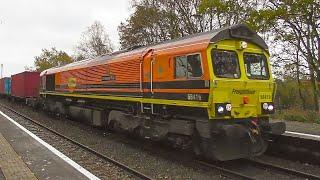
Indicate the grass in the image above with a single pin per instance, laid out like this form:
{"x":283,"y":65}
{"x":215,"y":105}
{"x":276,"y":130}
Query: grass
{"x":298,"y":115}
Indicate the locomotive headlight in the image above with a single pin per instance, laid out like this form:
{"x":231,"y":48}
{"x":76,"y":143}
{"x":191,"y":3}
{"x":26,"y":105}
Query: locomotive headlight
{"x":220,"y":109}
{"x":223,"y":109}
{"x":243,"y":45}
{"x":265,"y":106}
{"x":270,"y":107}
{"x":228,"y":107}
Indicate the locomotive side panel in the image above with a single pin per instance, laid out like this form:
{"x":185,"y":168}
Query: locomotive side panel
{"x":112,"y":78}
{"x":122,"y":77}
{"x":159,"y":74}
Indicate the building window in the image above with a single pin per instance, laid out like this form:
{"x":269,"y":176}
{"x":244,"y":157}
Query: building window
{"x":188,"y":66}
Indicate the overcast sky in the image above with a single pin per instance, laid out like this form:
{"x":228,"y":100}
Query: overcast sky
{"x":27,"y":26}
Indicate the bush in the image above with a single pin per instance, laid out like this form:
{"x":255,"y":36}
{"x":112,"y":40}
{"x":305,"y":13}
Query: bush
{"x":317,"y":120}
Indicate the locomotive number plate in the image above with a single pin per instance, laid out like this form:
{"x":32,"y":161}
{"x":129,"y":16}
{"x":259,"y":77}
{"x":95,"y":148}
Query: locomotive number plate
{"x":265,"y":97}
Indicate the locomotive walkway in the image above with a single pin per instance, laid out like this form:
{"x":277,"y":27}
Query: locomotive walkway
{"x":24,"y":156}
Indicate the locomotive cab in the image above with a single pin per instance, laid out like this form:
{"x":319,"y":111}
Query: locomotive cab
{"x":242,"y":84}
{"x":241,"y":98}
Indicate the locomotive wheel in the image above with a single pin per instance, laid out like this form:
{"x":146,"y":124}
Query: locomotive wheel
{"x":259,"y":147}
{"x":138,"y":132}
{"x":113,"y":125}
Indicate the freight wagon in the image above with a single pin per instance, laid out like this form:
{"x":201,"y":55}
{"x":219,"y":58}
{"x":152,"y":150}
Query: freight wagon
{"x":25,"y":85}
{"x":5,"y":86}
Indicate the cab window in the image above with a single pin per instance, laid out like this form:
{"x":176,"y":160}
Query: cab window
{"x":256,"y":66}
{"x":188,"y":66}
{"x":225,"y":64}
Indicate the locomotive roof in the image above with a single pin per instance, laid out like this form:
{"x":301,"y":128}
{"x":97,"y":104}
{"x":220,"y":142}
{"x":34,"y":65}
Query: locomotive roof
{"x":239,"y":31}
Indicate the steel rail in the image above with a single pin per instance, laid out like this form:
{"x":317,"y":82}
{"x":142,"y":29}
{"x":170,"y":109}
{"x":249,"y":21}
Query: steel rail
{"x":109,"y":159}
{"x":227,"y":171}
{"x":283,"y":169}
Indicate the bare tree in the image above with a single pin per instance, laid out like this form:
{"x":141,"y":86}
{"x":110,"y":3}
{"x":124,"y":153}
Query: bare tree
{"x":94,"y":42}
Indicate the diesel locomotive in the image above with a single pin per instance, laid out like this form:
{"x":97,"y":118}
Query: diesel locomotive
{"x":212,"y":92}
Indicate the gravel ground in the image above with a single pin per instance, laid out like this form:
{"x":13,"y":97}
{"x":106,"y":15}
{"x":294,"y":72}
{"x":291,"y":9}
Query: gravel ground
{"x":159,"y":163}
{"x":258,"y":172}
{"x":295,"y":165}
{"x":149,"y":158}
{"x":308,"y":128}
{"x":101,"y":168}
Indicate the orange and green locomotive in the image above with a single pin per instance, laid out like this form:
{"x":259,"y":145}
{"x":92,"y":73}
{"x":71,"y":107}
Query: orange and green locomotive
{"x":212,"y":92}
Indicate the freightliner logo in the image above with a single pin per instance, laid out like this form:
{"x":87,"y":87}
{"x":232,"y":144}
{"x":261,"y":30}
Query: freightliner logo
{"x":243,"y":91}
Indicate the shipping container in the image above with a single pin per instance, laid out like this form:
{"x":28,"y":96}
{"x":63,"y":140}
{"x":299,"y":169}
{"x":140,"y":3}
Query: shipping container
{"x":25,"y":84}
{"x":2,"y":91}
{"x":5,"y":86}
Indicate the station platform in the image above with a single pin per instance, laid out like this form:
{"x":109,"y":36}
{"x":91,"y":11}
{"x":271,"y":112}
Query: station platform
{"x":302,"y":129}
{"x":25,"y":156}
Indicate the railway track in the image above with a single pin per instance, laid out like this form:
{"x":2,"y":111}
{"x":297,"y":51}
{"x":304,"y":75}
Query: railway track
{"x":132,"y":171}
{"x":282,"y":169}
{"x":225,"y":170}
{"x":246,"y":163}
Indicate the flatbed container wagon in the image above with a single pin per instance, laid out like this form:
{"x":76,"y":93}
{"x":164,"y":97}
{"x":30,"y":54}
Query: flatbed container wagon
{"x":25,"y":85}
{"x":5,"y":86}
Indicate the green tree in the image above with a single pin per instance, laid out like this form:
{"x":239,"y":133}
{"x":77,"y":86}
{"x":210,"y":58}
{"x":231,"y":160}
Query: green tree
{"x":155,"y":21}
{"x":150,"y":23}
{"x":295,"y":24}
{"x":227,"y":12}
{"x":51,"y":58}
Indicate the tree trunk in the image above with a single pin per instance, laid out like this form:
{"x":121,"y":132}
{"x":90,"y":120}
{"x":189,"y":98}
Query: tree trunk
{"x":315,"y":89}
{"x":299,"y":86}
